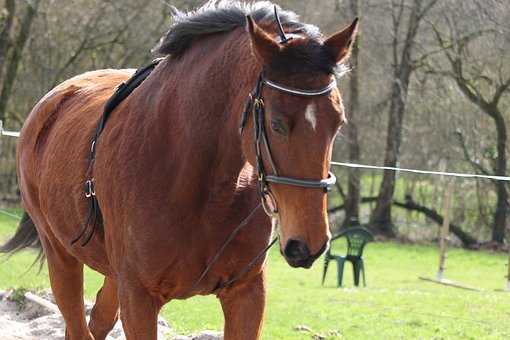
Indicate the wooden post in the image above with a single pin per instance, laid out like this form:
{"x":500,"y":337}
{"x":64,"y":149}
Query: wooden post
{"x":445,"y":229}
{"x":443,"y":241}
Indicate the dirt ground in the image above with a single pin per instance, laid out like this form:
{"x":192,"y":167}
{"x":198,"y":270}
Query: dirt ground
{"x":29,"y":317}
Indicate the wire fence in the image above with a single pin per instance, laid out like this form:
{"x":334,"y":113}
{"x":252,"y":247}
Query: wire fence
{"x":425,"y":172}
{"x":361,"y":166}
{"x":338,"y":164}
{"x":16,"y":134}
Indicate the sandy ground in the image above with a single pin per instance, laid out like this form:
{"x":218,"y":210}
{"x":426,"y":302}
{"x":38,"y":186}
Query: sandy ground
{"x":31,"y":317}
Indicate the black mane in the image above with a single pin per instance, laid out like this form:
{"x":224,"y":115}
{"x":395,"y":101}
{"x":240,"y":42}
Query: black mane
{"x":218,"y":16}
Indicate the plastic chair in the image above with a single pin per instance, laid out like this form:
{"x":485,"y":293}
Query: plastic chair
{"x":357,"y":238}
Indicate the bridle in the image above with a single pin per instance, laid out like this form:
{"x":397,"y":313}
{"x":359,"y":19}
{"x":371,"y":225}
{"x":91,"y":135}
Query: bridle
{"x":255,"y":106}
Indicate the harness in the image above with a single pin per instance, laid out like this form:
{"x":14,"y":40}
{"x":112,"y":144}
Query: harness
{"x":122,"y":92}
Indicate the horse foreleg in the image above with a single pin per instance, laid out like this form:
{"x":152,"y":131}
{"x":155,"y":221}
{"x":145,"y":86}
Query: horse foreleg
{"x":139,"y":311}
{"x":106,"y":310}
{"x":243,"y":306}
{"x":66,"y":278}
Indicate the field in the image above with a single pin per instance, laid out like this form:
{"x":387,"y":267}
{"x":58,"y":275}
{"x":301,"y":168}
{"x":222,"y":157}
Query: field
{"x":395,"y":305}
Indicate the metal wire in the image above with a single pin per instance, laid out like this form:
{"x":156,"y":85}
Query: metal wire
{"x":361,"y":166}
{"x":14,"y":216}
{"x":437,"y":173}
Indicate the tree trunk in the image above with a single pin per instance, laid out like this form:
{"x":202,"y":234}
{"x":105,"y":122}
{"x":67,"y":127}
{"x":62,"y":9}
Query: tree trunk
{"x":16,"y":55}
{"x":499,"y":223}
{"x":491,"y":109}
{"x":352,"y":202}
{"x":381,"y":216}
{"x":5,"y":33}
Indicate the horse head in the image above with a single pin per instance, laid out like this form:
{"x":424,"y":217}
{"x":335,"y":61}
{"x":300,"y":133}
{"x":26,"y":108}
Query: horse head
{"x":297,"y":113}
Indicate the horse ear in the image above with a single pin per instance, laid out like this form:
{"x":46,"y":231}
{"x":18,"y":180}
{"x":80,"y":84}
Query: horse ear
{"x":263,"y":46}
{"x":340,"y":43}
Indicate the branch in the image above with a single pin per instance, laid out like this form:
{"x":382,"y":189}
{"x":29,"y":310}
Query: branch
{"x":340,"y":190}
{"x":397,"y":19}
{"x":5,"y":33}
{"x":467,"y":156}
{"x":16,"y":56}
{"x":465,"y":86}
{"x":499,"y":92}
{"x":467,"y":240}
{"x":92,"y":22}
{"x":425,"y":9}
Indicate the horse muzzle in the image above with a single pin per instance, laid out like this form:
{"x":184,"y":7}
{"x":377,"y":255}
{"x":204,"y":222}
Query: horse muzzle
{"x":298,"y":255}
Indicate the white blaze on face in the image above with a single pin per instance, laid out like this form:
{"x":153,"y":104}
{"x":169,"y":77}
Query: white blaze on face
{"x":311,"y":115}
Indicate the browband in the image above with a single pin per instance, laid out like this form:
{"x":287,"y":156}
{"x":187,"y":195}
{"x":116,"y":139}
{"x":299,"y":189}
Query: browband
{"x":299,"y":92}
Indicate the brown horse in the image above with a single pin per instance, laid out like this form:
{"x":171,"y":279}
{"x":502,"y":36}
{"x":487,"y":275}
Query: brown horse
{"x":174,"y":177}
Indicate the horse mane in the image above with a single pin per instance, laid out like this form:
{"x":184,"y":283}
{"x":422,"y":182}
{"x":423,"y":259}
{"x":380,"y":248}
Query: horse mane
{"x":221,"y":16}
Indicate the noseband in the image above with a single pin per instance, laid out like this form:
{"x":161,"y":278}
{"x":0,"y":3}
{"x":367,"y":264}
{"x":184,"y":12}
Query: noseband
{"x":255,"y":105}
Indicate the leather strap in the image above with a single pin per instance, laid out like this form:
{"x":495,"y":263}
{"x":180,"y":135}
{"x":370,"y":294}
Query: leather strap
{"x":324,"y":183}
{"x":93,"y":218}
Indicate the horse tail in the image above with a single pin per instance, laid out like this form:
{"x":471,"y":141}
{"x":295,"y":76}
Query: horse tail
{"x":26,"y":236}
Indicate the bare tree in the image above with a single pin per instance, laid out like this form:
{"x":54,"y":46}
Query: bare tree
{"x":16,"y":55}
{"x":6,"y":22}
{"x":485,"y":89}
{"x":403,"y":67}
{"x":352,"y":202}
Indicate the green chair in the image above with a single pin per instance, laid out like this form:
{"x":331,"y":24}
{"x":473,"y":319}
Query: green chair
{"x":357,"y":238}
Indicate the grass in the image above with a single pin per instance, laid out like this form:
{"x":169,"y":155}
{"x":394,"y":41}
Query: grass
{"x":395,"y":305}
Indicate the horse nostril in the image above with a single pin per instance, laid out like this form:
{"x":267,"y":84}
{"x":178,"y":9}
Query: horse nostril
{"x":296,"y":250}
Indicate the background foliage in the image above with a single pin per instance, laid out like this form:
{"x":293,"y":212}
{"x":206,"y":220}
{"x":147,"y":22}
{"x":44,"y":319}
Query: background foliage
{"x":424,"y":72}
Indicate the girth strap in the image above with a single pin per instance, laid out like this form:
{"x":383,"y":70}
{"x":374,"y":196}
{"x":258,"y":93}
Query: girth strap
{"x":93,"y":218}
{"x":121,"y":93}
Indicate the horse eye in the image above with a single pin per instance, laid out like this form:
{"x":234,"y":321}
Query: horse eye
{"x":278,"y":127}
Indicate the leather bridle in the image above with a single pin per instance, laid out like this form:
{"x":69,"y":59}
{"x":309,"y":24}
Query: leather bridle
{"x":255,"y":106}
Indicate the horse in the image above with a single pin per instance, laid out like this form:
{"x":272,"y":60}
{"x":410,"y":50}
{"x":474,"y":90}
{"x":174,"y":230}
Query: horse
{"x":179,"y":169}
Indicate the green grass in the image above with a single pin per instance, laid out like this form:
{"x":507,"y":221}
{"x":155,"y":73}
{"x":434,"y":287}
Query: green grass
{"x":395,"y":305}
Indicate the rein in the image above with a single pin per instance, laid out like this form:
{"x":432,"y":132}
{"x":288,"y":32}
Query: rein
{"x":229,"y":239}
{"x":255,"y":105}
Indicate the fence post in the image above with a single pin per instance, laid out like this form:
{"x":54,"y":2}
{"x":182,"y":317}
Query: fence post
{"x":445,"y":229}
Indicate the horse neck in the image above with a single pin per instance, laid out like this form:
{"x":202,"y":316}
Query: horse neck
{"x":215,"y":76}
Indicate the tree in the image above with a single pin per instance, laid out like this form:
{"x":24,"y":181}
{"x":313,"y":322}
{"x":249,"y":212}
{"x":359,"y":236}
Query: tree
{"x":485,"y":89}
{"x":6,"y":22}
{"x":403,"y":67}
{"x":352,"y":201}
{"x":14,"y":50}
